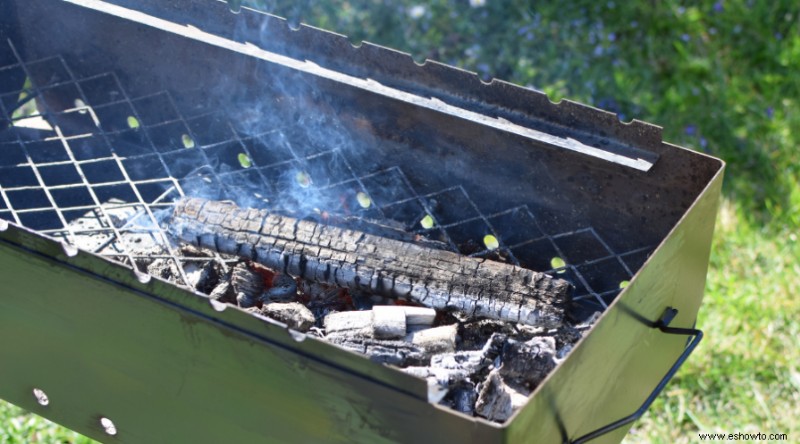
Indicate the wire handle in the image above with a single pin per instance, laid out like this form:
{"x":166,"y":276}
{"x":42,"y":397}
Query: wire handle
{"x":663,"y":325}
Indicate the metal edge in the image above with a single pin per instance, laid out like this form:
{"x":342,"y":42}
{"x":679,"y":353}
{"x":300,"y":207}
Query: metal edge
{"x":396,"y":69}
{"x":686,"y":316}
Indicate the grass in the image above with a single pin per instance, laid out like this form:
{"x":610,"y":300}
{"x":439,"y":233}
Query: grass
{"x":20,"y":427}
{"x":745,"y":376}
{"x":723,"y":77}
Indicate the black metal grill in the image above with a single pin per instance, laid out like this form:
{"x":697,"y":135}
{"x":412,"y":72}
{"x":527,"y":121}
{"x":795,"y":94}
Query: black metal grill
{"x":112,"y":110}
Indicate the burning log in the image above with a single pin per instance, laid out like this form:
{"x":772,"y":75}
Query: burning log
{"x":393,"y":352}
{"x":435,"y":278}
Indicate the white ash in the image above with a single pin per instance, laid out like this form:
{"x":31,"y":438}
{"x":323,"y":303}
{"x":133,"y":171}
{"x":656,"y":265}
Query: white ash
{"x":399,"y":353}
{"x":418,"y":316}
{"x":476,"y":366}
{"x":245,"y":301}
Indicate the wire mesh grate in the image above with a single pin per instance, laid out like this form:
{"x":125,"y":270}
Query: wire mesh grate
{"x":85,"y":163}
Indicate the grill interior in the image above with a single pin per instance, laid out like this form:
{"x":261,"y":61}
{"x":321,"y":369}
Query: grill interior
{"x":87,"y":163}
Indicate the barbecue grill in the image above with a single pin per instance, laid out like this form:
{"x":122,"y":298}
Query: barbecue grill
{"x":112,"y":110}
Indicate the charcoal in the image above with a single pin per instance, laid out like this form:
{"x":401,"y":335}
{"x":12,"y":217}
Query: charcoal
{"x":349,"y":323}
{"x":284,"y":289}
{"x":474,"y":334}
{"x":498,"y":400}
{"x":472,"y":360}
{"x":246,"y":281}
{"x":354,"y":330}
{"x":244,"y":300}
{"x":562,"y":352}
{"x":388,"y":322}
{"x":435,"y":340}
{"x":192,"y":251}
{"x":529,"y":362}
{"x":361,"y":300}
{"x":324,"y":298}
{"x":222,"y":291}
{"x":202,"y":276}
{"x":464,"y":398}
{"x":567,"y":335}
{"x":445,"y":378}
{"x":496,"y":340}
{"x":295,"y":315}
{"x":449,"y":370}
{"x":525,"y":332}
{"x":327,"y":254}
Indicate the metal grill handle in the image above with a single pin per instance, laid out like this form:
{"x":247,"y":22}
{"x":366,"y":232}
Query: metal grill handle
{"x":663,"y":325}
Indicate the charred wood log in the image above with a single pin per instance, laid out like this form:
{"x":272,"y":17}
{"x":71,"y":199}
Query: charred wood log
{"x":394,"y":352}
{"x":435,"y":278}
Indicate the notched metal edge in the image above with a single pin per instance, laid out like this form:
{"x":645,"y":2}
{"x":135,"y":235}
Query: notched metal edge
{"x":435,"y":77}
{"x":634,"y":158}
{"x":396,"y":69}
{"x":373,"y":61}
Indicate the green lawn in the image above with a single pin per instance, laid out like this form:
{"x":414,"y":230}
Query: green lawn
{"x":722,"y":77}
{"x":20,"y":427}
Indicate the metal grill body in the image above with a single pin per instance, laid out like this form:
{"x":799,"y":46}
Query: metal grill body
{"x":136,"y":109}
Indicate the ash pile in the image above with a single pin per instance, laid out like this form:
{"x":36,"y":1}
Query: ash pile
{"x":483,"y":334}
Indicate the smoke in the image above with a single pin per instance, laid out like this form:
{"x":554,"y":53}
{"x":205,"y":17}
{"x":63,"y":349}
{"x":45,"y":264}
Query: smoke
{"x":292,"y":148}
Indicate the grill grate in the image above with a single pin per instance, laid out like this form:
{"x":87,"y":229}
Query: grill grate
{"x":104,"y":165}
